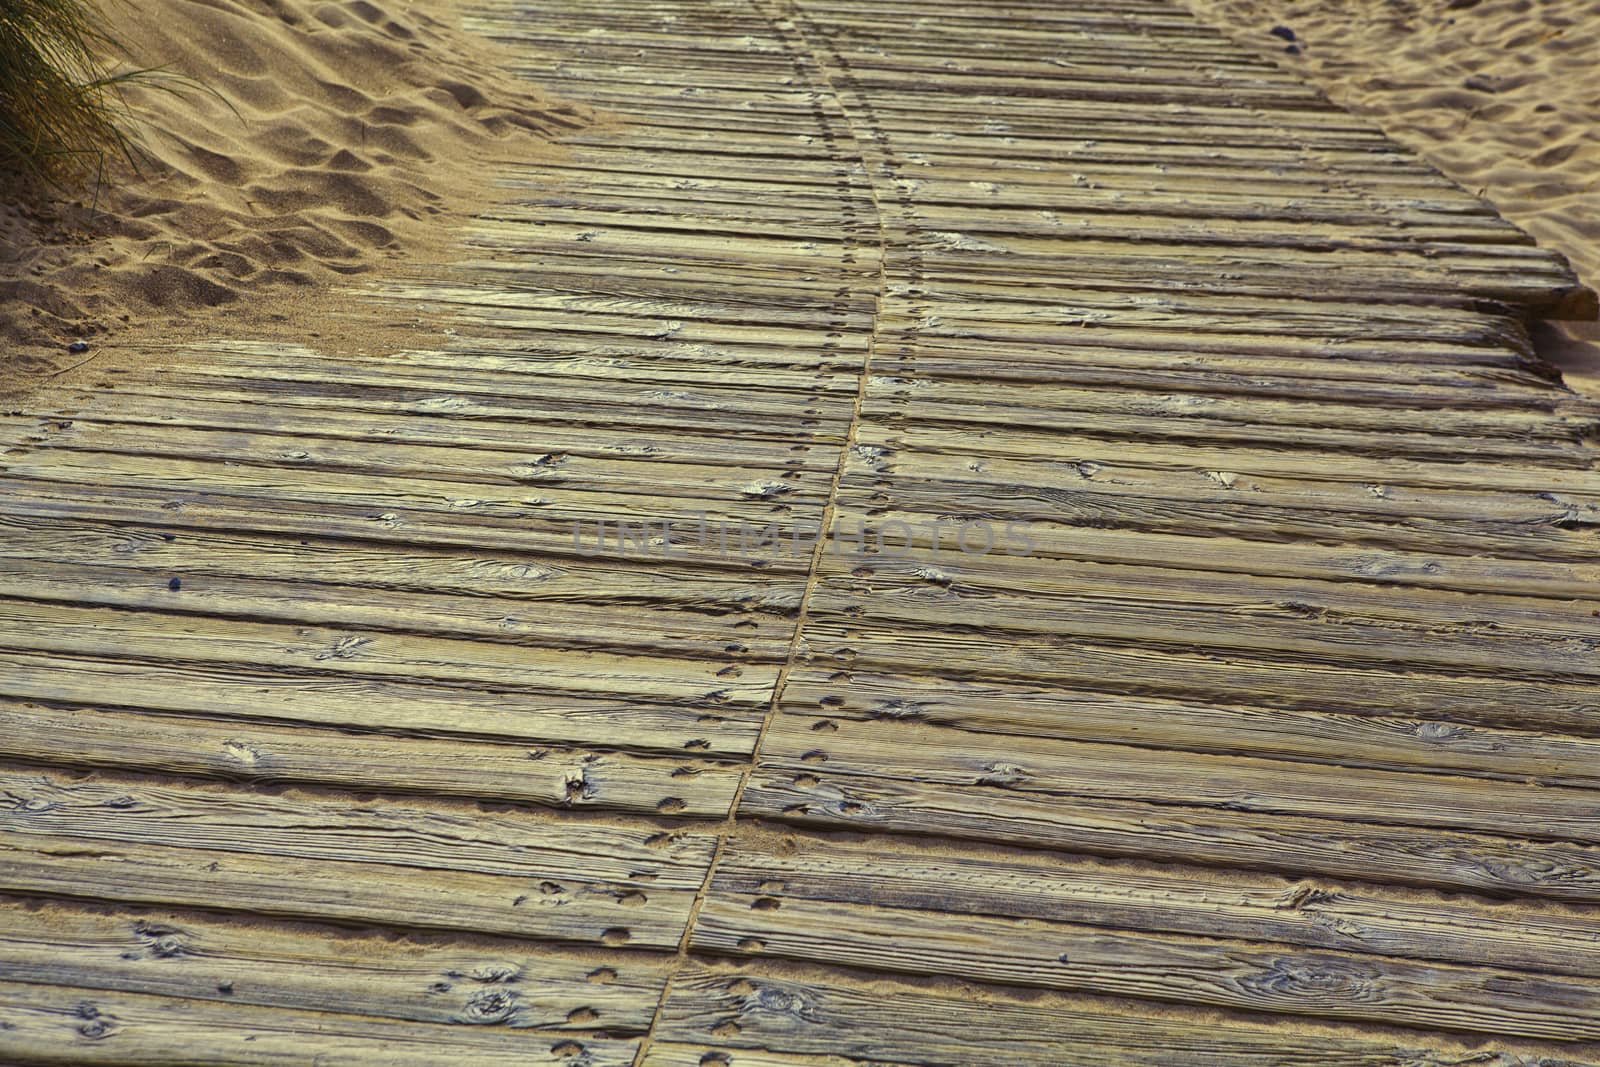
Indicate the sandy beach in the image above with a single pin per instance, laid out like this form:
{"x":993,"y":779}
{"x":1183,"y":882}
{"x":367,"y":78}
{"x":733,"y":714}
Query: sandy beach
{"x":306,"y":145}
{"x":1500,"y":95}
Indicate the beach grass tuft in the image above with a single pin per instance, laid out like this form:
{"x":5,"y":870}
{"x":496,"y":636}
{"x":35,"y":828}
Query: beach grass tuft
{"x":62,"y":113}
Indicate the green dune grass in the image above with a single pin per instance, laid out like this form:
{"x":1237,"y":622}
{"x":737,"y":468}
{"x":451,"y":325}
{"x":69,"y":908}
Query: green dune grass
{"x":61,"y":110}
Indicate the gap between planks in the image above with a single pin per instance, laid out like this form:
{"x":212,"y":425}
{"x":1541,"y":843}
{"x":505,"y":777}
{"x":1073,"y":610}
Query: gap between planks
{"x":820,"y":85}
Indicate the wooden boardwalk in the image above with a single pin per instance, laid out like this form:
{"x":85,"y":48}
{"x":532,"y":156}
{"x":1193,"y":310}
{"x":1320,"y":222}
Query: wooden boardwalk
{"x":1246,"y":710}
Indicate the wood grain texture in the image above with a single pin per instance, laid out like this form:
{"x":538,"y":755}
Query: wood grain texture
{"x":1260,"y":728}
{"x":1019,"y":920}
{"x":544,"y":776}
{"x":55,"y":1024}
{"x":470,"y":982}
{"x":877,"y":1020}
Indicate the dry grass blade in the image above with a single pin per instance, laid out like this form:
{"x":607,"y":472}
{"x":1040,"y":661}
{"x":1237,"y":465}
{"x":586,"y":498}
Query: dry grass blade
{"x":61,"y":109}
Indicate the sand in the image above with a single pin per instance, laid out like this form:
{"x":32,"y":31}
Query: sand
{"x":1501,"y":95}
{"x":332,"y":140}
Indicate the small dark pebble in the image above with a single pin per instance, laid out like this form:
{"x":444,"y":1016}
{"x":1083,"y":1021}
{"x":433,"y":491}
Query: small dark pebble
{"x":225,"y":988}
{"x":1292,"y":49}
{"x":175,"y":585}
{"x":1282,"y":31}
{"x":78,"y":347}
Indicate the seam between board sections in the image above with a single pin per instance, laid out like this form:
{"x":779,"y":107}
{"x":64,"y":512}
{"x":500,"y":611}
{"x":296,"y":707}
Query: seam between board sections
{"x":808,"y":67}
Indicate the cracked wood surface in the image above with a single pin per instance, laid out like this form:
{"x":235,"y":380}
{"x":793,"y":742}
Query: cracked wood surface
{"x":1199,"y":666}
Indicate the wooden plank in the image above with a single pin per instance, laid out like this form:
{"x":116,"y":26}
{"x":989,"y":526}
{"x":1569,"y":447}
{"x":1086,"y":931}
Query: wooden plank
{"x":812,"y":1012}
{"x":991,"y":303}
{"x":812,"y":791}
{"x":751,"y":500}
{"x":558,"y":778}
{"x":1465,"y":387}
{"x":1059,"y":452}
{"x":1562,"y":534}
{"x":933,"y":557}
{"x":55,"y":1025}
{"x":655,"y":358}
{"x":1032,"y":765}
{"x":1184,"y":970}
{"x":1188,"y":670}
{"x":1260,"y":228}
{"x":1368,"y":267}
{"x":928,"y":591}
{"x":960,"y":881}
{"x":333,"y":891}
{"x":1175,"y":427}
{"x":1189,"y":417}
{"x":155,"y":636}
{"x":629,"y":628}
{"x":113,"y":409}
{"x":421,"y":526}
{"x":788,"y":109}
{"x":456,"y":464}
{"x":729,"y":172}
{"x":1403,"y":273}
{"x":1367,"y":737}
{"x":913,"y":477}
{"x":431,"y":834}
{"x":939,"y":398}
{"x":632,"y":35}
{"x":175,"y":549}
{"x":1181,"y":548}
{"x":1114,"y":192}
{"x":292,"y":855}
{"x":375,"y":704}
{"x":1284,"y":95}
{"x":479,"y":372}
{"x":452,"y":981}
{"x":458,"y":403}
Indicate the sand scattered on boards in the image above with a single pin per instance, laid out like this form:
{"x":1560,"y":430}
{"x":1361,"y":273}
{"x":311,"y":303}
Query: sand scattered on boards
{"x":339,"y":136}
{"x":1501,"y":95}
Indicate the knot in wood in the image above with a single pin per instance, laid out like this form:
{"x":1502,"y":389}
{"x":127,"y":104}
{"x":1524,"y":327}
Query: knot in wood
{"x":490,"y":1007}
{"x":96,"y":1025}
{"x":1328,"y":978}
{"x":777,"y":1001}
{"x":1003,"y":775}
